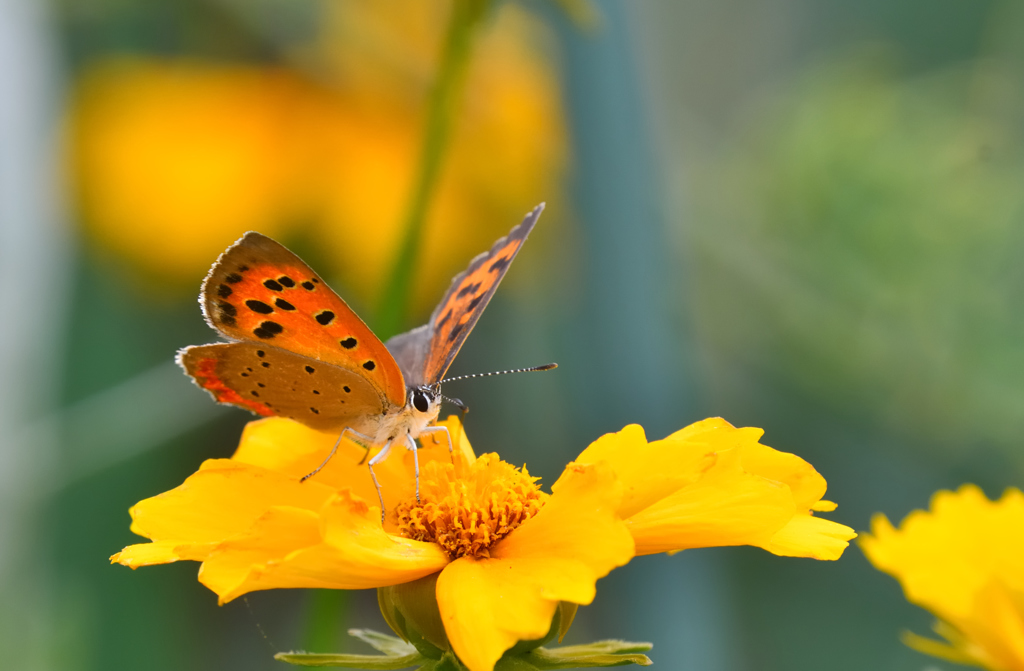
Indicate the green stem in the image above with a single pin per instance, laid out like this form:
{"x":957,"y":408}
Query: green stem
{"x":444,"y":98}
{"x":327,"y":620}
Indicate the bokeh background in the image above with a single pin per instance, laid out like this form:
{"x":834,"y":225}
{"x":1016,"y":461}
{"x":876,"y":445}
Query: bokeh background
{"x":806,"y":216}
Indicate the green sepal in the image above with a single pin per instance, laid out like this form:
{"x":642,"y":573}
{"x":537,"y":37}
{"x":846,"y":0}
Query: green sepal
{"x":411,"y":610}
{"x":607,"y":647}
{"x":600,"y":653}
{"x":397,"y":654}
{"x":515,"y":663}
{"x":566,"y":614}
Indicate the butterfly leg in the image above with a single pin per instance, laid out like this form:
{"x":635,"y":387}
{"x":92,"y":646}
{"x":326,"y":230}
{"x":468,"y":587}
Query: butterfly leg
{"x":376,"y":459}
{"x":411,"y":443}
{"x":335,"y":449}
{"x":447,"y":435}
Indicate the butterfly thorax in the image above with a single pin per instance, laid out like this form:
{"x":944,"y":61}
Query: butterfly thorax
{"x":423,"y":403}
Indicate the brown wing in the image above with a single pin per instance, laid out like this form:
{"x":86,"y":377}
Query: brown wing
{"x":271,"y":381}
{"x":259,"y":291}
{"x":459,"y":310}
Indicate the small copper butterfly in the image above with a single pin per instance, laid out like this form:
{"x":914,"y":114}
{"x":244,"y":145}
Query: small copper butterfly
{"x":298,"y":351}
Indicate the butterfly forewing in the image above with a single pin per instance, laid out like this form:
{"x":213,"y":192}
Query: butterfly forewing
{"x":272,"y":381}
{"x":259,"y":291}
{"x":470,"y":291}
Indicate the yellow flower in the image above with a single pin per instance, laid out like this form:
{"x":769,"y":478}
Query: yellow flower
{"x":174,"y":159}
{"x":506,"y":553}
{"x":964,"y":561}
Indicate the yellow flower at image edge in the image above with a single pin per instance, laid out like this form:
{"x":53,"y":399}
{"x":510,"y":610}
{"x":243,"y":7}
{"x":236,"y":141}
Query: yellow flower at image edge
{"x":504,"y":553}
{"x":964,"y":561}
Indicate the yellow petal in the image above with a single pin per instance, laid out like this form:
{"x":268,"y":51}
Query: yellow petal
{"x":712,"y":484}
{"x":161,"y":552}
{"x":992,"y":639}
{"x":579,"y":521}
{"x":353,"y":552}
{"x":809,"y":536}
{"x":276,"y":534}
{"x":648,"y":472}
{"x":727,"y":506}
{"x":994,"y":632}
{"x":291,"y":448}
{"x":805,"y":484}
{"x":222,"y":499}
{"x":487,"y":605}
{"x":710,"y":429}
{"x":460,"y":441}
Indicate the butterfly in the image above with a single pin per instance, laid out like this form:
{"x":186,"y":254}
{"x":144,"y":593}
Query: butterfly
{"x":297,"y":350}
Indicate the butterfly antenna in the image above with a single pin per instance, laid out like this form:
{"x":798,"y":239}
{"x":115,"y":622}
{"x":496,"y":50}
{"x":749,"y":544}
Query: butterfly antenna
{"x":547,"y":366}
{"x":463,"y":408}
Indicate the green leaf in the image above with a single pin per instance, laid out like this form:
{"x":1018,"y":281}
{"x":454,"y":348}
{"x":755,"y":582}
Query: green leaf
{"x":600,"y":653}
{"x":556,"y":662}
{"x":607,"y":647}
{"x":368,"y":662}
{"x":389,"y":645}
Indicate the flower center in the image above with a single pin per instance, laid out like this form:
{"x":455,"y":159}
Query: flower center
{"x":467,"y":508}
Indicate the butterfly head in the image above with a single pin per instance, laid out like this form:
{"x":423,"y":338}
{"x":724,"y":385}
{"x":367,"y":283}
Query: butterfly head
{"x":425,"y":400}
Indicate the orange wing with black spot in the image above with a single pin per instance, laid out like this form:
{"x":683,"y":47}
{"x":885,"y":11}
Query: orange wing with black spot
{"x":427,"y":352}
{"x":259,"y":291}
{"x":269,"y":380}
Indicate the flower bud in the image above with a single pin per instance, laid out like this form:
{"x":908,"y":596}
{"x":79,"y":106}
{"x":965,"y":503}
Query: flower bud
{"x":411,"y":611}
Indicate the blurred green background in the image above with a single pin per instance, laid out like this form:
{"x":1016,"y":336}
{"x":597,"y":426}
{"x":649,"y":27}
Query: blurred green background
{"x":802,"y":216}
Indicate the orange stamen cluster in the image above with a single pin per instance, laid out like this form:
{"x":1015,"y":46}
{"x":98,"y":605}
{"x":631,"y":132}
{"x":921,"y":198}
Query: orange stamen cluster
{"x":467,"y":508}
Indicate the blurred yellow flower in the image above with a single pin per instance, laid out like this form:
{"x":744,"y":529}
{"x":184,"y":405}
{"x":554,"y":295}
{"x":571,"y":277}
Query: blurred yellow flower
{"x":505,"y":553}
{"x":173,"y":160}
{"x":964,"y":561}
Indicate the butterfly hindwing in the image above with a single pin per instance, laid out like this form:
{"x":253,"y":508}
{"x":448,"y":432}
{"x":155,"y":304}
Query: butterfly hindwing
{"x":271,"y":381}
{"x":259,"y":291}
{"x":459,"y":310}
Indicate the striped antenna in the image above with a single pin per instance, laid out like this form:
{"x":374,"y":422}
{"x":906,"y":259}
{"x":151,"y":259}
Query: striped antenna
{"x":457,"y":402}
{"x":547,"y":366}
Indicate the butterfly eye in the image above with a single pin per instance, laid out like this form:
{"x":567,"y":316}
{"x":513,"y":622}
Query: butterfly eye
{"x":420,"y":401}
